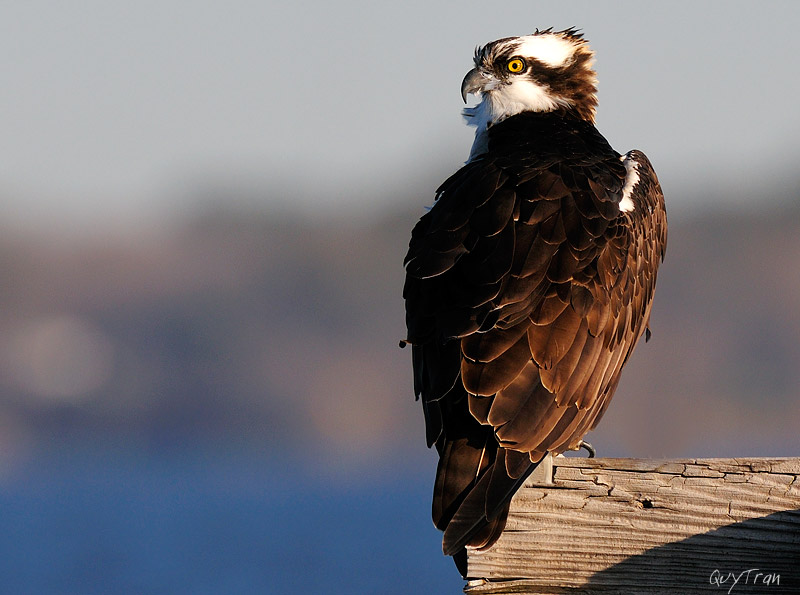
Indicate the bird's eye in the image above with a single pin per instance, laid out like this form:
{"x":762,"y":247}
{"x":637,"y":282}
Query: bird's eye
{"x":515,"y":65}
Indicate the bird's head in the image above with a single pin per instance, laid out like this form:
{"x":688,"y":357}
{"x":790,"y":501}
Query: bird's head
{"x":542,"y":72}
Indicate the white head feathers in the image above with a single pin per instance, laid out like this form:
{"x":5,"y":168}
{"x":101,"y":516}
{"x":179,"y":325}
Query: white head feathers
{"x":545,"y":71}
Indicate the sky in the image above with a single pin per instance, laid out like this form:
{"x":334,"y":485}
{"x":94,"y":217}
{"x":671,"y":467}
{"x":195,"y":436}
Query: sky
{"x":126,"y":112}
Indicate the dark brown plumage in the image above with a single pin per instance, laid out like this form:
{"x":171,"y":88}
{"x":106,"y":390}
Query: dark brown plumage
{"x":527,"y":288}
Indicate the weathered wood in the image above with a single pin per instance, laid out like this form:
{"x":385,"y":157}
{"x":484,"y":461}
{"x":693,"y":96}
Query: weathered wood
{"x":631,"y":526}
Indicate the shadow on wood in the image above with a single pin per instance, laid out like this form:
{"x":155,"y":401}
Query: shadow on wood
{"x":622,"y":526}
{"x":744,"y":557}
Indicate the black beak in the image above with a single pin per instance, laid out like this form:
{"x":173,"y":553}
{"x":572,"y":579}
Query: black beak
{"x":472,"y":83}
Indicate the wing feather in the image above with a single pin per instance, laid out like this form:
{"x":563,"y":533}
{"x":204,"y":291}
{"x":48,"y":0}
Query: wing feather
{"x":527,"y":431}
{"x":487,"y":378}
{"x":548,"y":310}
{"x":525,"y":392}
{"x":555,"y":378}
{"x":535,"y":260}
{"x":494,"y":215}
{"x":549,"y":343}
{"x":485,"y":347}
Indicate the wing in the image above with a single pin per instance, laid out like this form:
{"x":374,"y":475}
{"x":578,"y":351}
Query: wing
{"x":526,"y":291}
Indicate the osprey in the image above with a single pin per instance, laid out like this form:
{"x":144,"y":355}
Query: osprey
{"x":529,"y":281}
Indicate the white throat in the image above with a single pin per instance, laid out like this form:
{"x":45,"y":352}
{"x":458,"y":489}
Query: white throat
{"x":504,"y":100}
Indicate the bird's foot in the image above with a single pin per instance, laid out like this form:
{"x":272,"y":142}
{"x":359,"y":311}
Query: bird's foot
{"x":588,"y":448}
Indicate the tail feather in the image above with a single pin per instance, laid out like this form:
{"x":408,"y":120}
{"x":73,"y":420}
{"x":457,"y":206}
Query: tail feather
{"x":481,"y":514}
{"x":475,"y":479}
{"x":484,"y":537}
{"x":460,"y":464}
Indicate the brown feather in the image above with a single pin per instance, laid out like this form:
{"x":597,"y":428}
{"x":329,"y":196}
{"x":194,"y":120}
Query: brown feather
{"x":536,"y":260}
{"x":516,"y":289}
{"x":486,"y":378}
{"x":517,"y":463}
{"x":581,"y":300}
{"x":527,"y":431}
{"x":479,"y":408}
{"x":562,"y":266}
{"x":533,"y":212}
{"x":597,"y":316}
{"x":485,"y":347}
{"x":562,"y":432}
{"x":549,"y":343}
{"x":548,"y":310}
{"x":552,"y":229}
{"x":459,"y":466}
{"x":491,"y":259}
{"x":486,"y":505}
{"x":593,"y":386}
{"x":524,"y":392}
{"x":555,"y":378}
{"x":492,"y":217}
{"x":575,"y":384}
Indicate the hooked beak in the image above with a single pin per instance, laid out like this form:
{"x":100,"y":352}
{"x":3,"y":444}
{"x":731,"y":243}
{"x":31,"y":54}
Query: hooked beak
{"x":473,"y":83}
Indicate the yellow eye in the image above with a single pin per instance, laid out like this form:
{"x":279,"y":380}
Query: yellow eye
{"x":515,"y":65}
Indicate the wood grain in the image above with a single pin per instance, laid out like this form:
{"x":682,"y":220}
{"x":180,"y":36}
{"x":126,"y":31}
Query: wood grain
{"x":633,"y":526}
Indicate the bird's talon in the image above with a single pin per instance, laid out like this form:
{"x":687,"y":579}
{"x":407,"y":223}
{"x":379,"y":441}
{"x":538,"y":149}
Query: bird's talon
{"x":588,"y":448}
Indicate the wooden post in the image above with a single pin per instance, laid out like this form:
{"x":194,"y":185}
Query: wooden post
{"x":632,"y":526}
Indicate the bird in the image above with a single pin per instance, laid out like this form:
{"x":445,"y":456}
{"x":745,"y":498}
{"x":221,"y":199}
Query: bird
{"x":528,"y":282}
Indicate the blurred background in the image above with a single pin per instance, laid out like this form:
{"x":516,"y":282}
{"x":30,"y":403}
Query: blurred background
{"x":205,"y":207}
